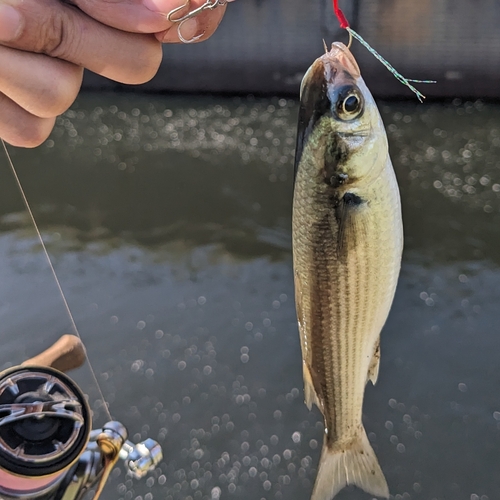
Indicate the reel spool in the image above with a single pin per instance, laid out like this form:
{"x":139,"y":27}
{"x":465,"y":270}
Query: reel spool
{"x":45,"y":424}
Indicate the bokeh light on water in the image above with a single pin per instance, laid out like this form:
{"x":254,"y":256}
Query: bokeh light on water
{"x":168,"y":219}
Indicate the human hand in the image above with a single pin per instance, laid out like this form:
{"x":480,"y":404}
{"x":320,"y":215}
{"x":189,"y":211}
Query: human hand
{"x":45,"y":44}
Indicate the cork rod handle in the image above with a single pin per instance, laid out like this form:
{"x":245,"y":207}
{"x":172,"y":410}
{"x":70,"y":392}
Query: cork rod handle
{"x":66,"y":354}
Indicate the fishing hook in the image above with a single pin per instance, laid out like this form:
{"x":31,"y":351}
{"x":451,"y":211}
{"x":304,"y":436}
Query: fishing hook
{"x":208,"y":5}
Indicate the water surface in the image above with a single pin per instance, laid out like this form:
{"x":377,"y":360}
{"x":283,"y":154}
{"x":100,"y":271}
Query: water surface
{"x":168,"y":221}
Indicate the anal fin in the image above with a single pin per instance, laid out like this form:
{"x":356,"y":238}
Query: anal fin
{"x":310,"y":395}
{"x":374,"y":364}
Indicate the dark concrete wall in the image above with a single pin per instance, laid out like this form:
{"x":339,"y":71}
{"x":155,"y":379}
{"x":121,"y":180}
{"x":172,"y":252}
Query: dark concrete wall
{"x":265,"y":46}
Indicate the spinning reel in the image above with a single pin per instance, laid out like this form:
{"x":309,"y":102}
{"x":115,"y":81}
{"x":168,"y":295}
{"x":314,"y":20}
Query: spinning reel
{"x":48,"y":450}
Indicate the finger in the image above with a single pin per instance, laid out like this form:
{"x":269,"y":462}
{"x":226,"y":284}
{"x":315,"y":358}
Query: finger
{"x":196,"y":29}
{"x":136,"y":16}
{"x":42,"y":85}
{"x":63,"y":31}
{"x":20,"y":128}
{"x":151,"y":16}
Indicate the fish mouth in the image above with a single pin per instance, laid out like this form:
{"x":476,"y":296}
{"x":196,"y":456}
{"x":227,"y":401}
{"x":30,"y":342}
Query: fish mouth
{"x":340,"y":54}
{"x":338,"y":59}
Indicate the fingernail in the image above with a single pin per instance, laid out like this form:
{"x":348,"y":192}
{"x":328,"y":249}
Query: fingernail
{"x":10,"y":23}
{"x":163,"y":6}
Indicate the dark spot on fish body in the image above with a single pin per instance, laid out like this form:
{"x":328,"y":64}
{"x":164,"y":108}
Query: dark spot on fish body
{"x":336,"y":154}
{"x":337,"y":180}
{"x":347,"y":200}
{"x":352,"y":200}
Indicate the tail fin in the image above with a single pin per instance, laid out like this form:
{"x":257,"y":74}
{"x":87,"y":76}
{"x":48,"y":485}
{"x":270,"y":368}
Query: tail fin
{"x":356,"y":465}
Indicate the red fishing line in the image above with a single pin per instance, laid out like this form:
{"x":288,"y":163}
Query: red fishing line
{"x":344,"y":23}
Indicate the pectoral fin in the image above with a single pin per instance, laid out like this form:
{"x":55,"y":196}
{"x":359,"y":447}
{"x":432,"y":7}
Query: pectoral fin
{"x":374,"y":364}
{"x":350,"y":222}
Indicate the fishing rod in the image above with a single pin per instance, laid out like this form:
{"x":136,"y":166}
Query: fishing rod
{"x":48,"y":449}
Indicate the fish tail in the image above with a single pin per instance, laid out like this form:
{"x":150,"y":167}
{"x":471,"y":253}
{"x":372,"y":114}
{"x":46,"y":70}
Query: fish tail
{"x":355,"y":464}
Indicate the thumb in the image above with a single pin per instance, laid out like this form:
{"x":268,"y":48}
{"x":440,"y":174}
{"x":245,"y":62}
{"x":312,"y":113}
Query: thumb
{"x":64,"y":32}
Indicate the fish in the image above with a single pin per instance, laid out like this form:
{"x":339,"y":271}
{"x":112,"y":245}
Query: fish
{"x":347,"y":237}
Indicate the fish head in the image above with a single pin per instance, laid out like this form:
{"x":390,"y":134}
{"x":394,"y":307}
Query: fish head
{"x":339,"y":121}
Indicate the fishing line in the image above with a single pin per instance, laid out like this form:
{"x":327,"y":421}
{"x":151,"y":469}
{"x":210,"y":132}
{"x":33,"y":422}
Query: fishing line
{"x":49,"y":260}
{"x":344,"y":23}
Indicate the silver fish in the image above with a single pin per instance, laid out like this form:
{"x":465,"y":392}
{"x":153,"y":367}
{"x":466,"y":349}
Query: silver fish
{"x":347,"y":245}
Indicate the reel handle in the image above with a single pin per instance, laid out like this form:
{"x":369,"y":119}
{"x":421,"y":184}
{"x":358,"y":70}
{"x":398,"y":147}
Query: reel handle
{"x":65,"y":354}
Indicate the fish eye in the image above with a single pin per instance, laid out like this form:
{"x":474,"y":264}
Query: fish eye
{"x":349,"y":105}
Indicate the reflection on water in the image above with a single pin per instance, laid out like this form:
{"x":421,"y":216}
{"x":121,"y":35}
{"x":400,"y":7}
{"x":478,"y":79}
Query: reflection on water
{"x":168,"y":220}
{"x":205,"y":174}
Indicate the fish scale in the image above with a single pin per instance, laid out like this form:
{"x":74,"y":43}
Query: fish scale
{"x":347,"y":244}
